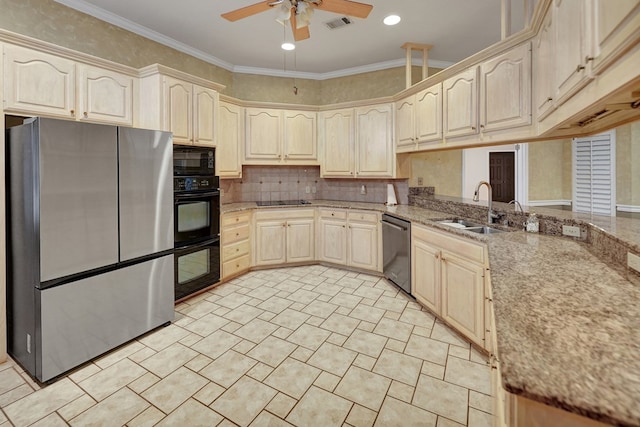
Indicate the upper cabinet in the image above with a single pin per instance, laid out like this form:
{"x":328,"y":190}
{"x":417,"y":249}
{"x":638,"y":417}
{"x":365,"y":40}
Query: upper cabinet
{"x":230,"y":138}
{"x":615,"y":30}
{"x":375,"y":156}
{"x":337,"y":135}
{"x":460,"y":99}
{"x":505,"y":90}
{"x":419,"y":119}
{"x":276,"y":136}
{"x":38,"y":83}
{"x":543,"y":63}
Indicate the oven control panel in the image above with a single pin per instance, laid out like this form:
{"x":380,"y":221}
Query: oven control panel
{"x":195,"y":183}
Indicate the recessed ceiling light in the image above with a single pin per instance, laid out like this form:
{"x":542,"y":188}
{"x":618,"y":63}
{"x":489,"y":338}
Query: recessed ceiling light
{"x":391,"y":20}
{"x":288,"y":46}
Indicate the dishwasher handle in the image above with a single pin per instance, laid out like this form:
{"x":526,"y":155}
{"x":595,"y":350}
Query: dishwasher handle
{"x":397,"y":227}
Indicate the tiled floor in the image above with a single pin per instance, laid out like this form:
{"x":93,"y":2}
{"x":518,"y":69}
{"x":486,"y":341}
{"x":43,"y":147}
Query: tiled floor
{"x":304,"y":346}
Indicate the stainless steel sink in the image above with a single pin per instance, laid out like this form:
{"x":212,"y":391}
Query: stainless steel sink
{"x":474,"y":227}
{"x":483,"y":230}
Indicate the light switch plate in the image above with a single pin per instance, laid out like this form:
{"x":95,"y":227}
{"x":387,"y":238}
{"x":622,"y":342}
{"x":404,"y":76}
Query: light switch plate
{"x":569,"y":230}
{"x":633,"y":261}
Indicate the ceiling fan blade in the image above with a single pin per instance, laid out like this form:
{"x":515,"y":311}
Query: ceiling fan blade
{"x":301,"y":33}
{"x":346,"y":7}
{"x":246,"y":11}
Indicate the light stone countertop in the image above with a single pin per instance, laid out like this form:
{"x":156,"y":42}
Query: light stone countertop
{"x":568,"y":325}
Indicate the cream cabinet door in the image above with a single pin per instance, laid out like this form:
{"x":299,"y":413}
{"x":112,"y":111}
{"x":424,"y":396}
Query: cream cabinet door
{"x":104,"y":96}
{"x":374,"y":142}
{"x":616,"y":30}
{"x":425,"y":274}
{"x":300,"y":135}
{"x":460,"y":104}
{"x":337,"y":144}
{"x":505,"y":90}
{"x":428,"y":114}
{"x":271,"y":242}
{"x":332,"y":241}
{"x":205,"y":102}
{"x":300,"y":240}
{"x":37,"y":83}
{"x":363,"y":246}
{"x":463,"y":296}
{"x":230,"y":138}
{"x":543,"y":64}
{"x":178,"y":110}
{"x":405,"y":127}
{"x":263,"y":138}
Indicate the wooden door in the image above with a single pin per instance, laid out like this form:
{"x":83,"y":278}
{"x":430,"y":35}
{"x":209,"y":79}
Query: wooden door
{"x":104,"y":96}
{"x":425,"y":274}
{"x":460,"y":104}
{"x":300,"y":240}
{"x":502,"y":176}
{"x":178,"y":114}
{"x":363,"y":245}
{"x":270,"y":245}
{"x":333,"y":241}
{"x":338,"y":144}
{"x":229,"y":143}
{"x":300,"y":136}
{"x":263,"y":138}
{"x":428,"y":114}
{"x":405,"y":128}
{"x":204,"y":106}
{"x":374,"y":141}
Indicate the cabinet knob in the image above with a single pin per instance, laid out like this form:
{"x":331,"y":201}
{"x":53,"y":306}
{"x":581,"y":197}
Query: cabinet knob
{"x":549,"y":99}
{"x":343,"y":226}
{"x":481,"y":126}
{"x":350,"y":173}
{"x":579,"y":68}
{"x":85,"y":114}
{"x":237,"y":219}
{"x":332,"y":214}
{"x":72,"y":112}
{"x":237,"y":249}
{"x":237,"y":234}
{"x":473,"y":128}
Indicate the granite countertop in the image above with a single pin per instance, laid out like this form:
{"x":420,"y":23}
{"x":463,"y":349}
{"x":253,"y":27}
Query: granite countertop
{"x":568,"y":325}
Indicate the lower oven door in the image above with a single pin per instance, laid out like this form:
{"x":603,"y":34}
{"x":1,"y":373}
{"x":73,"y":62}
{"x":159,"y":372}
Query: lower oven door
{"x":196,"y":217}
{"x":196,"y":267}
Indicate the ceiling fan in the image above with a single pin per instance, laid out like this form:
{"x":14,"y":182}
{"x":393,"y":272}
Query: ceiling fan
{"x":299,"y":12}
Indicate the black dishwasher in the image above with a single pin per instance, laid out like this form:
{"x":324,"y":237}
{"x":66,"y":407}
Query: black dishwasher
{"x":396,"y":251}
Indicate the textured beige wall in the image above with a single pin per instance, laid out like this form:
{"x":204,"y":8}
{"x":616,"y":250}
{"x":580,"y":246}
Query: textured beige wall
{"x":252,"y":87}
{"x":628,"y":164}
{"x":547,"y":170}
{"x":441,"y":169}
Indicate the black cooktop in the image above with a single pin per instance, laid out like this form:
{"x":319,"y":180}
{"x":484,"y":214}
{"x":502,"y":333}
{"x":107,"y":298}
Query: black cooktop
{"x":283,"y":203}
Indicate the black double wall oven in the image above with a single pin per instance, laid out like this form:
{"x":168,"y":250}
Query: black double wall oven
{"x":196,"y":219}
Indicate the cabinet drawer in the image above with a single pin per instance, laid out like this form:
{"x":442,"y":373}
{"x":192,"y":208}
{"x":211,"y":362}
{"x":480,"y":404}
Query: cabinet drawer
{"x":235,"y":218}
{"x":284,"y":214}
{"x":333,"y":213}
{"x":464,"y":248}
{"x":234,"y":234}
{"x":371,"y":217}
{"x":235,"y":250}
{"x":234,"y":266}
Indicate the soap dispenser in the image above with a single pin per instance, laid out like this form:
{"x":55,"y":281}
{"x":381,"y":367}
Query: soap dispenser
{"x":532,"y":225}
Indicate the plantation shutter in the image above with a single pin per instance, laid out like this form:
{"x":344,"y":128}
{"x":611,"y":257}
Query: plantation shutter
{"x":594,"y":174}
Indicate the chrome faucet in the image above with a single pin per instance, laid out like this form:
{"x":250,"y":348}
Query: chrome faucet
{"x":516,"y":205}
{"x":476,"y":198}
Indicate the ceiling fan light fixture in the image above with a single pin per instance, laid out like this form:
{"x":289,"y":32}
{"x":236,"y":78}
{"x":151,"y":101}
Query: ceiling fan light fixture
{"x":288,"y":46}
{"x":391,"y":20}
{"x":283,"y":13}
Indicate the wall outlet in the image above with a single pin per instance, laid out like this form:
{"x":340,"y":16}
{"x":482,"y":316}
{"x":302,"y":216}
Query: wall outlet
{"x":307,"y":189}
{"x":633,"y":261}
{"x":569,"y":230}
{"x":420,"y":182}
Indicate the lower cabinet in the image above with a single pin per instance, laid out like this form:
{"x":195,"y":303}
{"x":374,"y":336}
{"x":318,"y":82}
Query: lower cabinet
{"x":234,"y":243}
{"x":448,"y":277}
{"x":284,"y":236}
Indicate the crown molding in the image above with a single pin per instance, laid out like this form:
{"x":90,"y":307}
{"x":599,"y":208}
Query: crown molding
{"x":112,"y":18}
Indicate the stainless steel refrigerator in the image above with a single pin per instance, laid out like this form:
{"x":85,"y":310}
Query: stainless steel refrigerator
{"x":90,"y":240}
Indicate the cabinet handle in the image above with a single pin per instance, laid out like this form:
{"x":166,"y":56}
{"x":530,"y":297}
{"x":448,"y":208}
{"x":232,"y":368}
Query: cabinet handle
{"x":588,"y":58}
{"x":442,"y":258}
{"x":579,"y":68}
{"x":549,"y":99}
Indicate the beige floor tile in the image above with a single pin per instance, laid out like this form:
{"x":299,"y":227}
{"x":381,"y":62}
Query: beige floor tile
{"x":174,"y":390}
{"x":345,"y":311}
{"x":267,"y":316}
{"x":244,"y":401}
{"x":365,"y":362}
{"x":311,"y":279}
{"x":14,"y":395}
{"x":282,"y":332}
{"x":394,"y":315}
{"x":256,"y":330}
{"x":315,"y":321}
{"x":297,"y":306}
{"x":260,"y":371}
{"x":76,"y":407}
{"x":468,"y":374}
{"x":291,"y":319}
{"x":228,"y":368}
{"x":395,"y":345}
{"x":442,"y":398}
{"x":481,"y":401}
{"x":209,"y":393}
{"x":222,"y":291}
{"x":244,"y":346}
{"x":281,"y":405}
{"x":141,"y":355}
{"x":191,"y":413}
{"x":119,"y":354}
{"x":363,"y":387}
{"x":319,"y":408}
{"x":232,"y":301}
{"x":144,"y":382}
{"x":325,"y":298}
{"x":479,"y":419}
{"x":164,"y":337}
{"x":216,"y":344}
{"x":478,"y":357}
{"x":327,"y":381}
{"x":366,"y":342}
{"x":349,"y":282}
{"x":41,"y":403}
{"x":333,"y":359}
{"x":392,"y":304}
{"x":341,"y":324}
{"x":112,"y":379}
{"x":369,"y":314}
{"x":359,"y":416}
{"x":190,"y":339}
{"x":303,"y":296}
{"x":302,"y":354}
{"x":446,"y":422}
{"x":117,"y":409}
{"x":442,"y":333}
{"x":309,"y":336}
{"x":51,"y":420}
{"x":85,"y":372}
{"x":395,"y":413}
{"x":346,"y":300}
{"x":418,"y":318}
{"x":198,"y":362}
{"x":265,"y":419}
{"x":420,"y":331}
{"x":292,"y":377}
{"x":231,"y":327}
{"x":427,"y":349}
{"x":320,"y":309}
{"x":459,"y":352}
{"x":393,"y":329}
{"x":10,"y":379}
{"x":3,"y":419}
{"x":262,"y":293}
{"x":337,"y":339}
{"x":369,"y":292}
{"x":366,"y":326}
{"x":398,"y":366}
{"x":199,"y":309}
{"x":401,"y":391}
{"x":168,"y":360}
{"x":148,"y":418}
{"x":433,"y":370}
{"x":222,"y":311}
{"x":328,"y":289}
{"x":206,"y":325}
{"x":272,"y":351}
{"x":243,"y":314}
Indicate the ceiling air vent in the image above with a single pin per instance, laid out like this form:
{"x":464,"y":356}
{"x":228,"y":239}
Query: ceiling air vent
{"x":337,"y":23}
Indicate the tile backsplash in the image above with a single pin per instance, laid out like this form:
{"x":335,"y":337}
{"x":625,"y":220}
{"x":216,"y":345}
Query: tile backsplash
{"x":266,"y":183}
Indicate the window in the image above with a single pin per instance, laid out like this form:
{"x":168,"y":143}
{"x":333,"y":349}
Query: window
{"x":594,"y":174}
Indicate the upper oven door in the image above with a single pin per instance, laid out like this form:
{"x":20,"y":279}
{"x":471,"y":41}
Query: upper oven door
{"x":196,"y":217}
{"x":189,"y":160}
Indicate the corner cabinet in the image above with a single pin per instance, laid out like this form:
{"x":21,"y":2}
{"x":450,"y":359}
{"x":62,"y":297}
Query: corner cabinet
{"x":448,"y":277}
{"x":229,"y":143}
{"x":419,"y":119}
{"x":284,"y":236}
{"x":375,"y":156}
{"x":460,"y":104}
